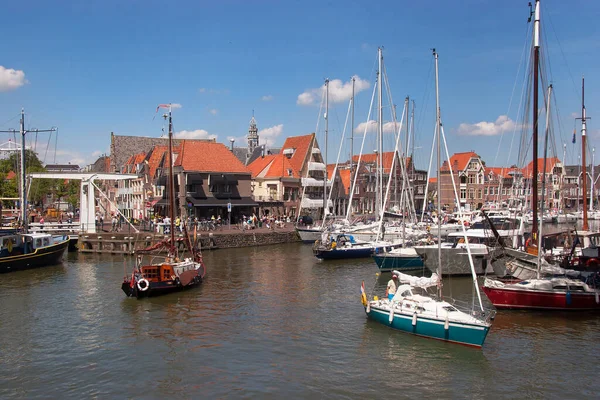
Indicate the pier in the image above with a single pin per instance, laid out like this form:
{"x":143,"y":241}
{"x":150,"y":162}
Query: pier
{"x":128,"y":242}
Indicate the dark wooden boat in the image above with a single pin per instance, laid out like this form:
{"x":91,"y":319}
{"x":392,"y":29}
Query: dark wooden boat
{"x":31,"y":250}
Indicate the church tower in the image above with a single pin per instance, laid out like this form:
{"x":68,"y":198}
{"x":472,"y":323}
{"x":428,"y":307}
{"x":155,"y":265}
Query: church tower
{"x":252,"y":135}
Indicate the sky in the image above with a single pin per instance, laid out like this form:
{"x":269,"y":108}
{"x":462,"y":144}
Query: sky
{"x":96,"y":67}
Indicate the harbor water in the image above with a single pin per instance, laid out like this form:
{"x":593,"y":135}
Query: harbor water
{"x":269,"y":322}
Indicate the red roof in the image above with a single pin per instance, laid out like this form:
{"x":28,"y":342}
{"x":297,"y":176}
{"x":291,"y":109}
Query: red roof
{"x":10,"y":175}
{"x":550,"y":163}
{"x":459,"y":161}
{"x":156,"y":155}
{"x":371,"y":158}
{"x":345,"y":175}
{"x":433,"y":179}
{"x":301,"y":146}
{"x":208,"y":156}
{"x":273,"y":166}
{"x":134,"y":160}
{"x":501,"y":172}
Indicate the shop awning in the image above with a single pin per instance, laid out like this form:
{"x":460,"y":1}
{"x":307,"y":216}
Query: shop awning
{"x":212,"y":202}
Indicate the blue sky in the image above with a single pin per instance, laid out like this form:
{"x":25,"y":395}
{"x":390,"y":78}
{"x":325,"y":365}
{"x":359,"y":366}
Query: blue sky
{"x":97,"y":67}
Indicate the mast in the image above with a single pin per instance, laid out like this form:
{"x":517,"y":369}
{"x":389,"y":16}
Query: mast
{"x":325,"y":160}
{"x":539,"y":239}
{"x":583,"y":143}
{"x":592,"y":181}
{"x":378,"y":172}
{"x":536,"y":62}
{"x":352,"y":130}
{"x":22,"y":185}
{"x":171,"y":185}
{"x":439,"y":186}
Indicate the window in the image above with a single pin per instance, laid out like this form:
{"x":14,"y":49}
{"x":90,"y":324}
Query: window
{"x":226,"y":188}
{"x":463,"y":194}
{"x":214,"y":188}
{"x":290,"y":172}
{"x":259,"y":184}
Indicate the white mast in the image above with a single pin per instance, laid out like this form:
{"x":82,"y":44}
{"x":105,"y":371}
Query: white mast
{"x":439,"y":191}
{"x":379,"y":172}
{"x":325,"y":205}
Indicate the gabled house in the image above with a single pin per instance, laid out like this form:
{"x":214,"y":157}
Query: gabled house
{"x":275,"y":185}
{"x":131,"y":197}
{"x":209,"y":181}
{"x":553,"y":178}
{"x":469,"y":176}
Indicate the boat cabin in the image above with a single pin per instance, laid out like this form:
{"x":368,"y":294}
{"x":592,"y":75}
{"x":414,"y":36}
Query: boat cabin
{"x":158,"y":273}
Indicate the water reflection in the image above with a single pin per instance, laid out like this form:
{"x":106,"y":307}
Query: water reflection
{"x":267,"y":321}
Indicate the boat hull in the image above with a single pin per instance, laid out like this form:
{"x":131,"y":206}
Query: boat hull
{"x":388,"y":262}
{"x":157,"y":288}
{"x":309,"y":235}
{"x":455,"y":261}
{"x":42,"y":257}
{"x":467,"y":334}
{"x":343,"y":253}
{"x":507,"y":298}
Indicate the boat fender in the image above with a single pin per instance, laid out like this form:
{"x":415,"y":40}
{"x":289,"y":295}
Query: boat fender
{"x":177,"y":281}
{"x":143,"y":285}
{"x":447,"y":323}
{"x":9,"y":246}
{"x":391,"y":313}
{"x":369,"y":305}
{"x":597,"y":297}
{"x":414,"y":319}
{"x":568,"y":297}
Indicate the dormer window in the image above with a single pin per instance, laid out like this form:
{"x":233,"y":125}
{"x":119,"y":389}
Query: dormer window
{"x":290,"y":172}
{"x":288,"y":152}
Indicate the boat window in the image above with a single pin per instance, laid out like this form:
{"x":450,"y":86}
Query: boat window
{"x":38,"y":242}
{"x":449,"y":308}
{"x":150,"y":273}
{"x":576,"y":288}
{"x":46,"y":241}
{"x":406,"y":293}
{"x":560,"y":287}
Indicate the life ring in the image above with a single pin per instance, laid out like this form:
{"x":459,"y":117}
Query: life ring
{"x":143,"y":285}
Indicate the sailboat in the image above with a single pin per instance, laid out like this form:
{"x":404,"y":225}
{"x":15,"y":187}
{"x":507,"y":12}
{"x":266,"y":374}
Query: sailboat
{"x":413,"y":310}
{"x":550,"y":293}
{"x":25,"y":250}
{"x":156,"y":274}
{"x":311,"y":233}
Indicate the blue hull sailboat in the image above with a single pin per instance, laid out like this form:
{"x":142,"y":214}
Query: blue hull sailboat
{"x":400,"y":259}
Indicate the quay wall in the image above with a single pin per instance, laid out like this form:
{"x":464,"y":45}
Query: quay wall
{"x":127,"y":243}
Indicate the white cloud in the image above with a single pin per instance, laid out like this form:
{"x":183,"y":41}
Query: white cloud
{"x":175,"y":105}
{"x":339,"y":91}
{"x":484,"y":128}
{"x":11,"y":79}
{"x":213,"y":111}
{"x":197,"y":134}
{"x":267,"y":97}
{"x":575,"y":115}
{"x":202,"y":90}
{"x":269,"y":135}
{"x":388,"y":127}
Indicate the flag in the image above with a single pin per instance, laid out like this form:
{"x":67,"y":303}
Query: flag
{"x":162,"y":106}
{"x":574,"y":136}
{"x":363,"y":295}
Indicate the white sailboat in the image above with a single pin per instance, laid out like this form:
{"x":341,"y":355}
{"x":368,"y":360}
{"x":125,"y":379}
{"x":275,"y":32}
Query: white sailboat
{"x":413,"y":310}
